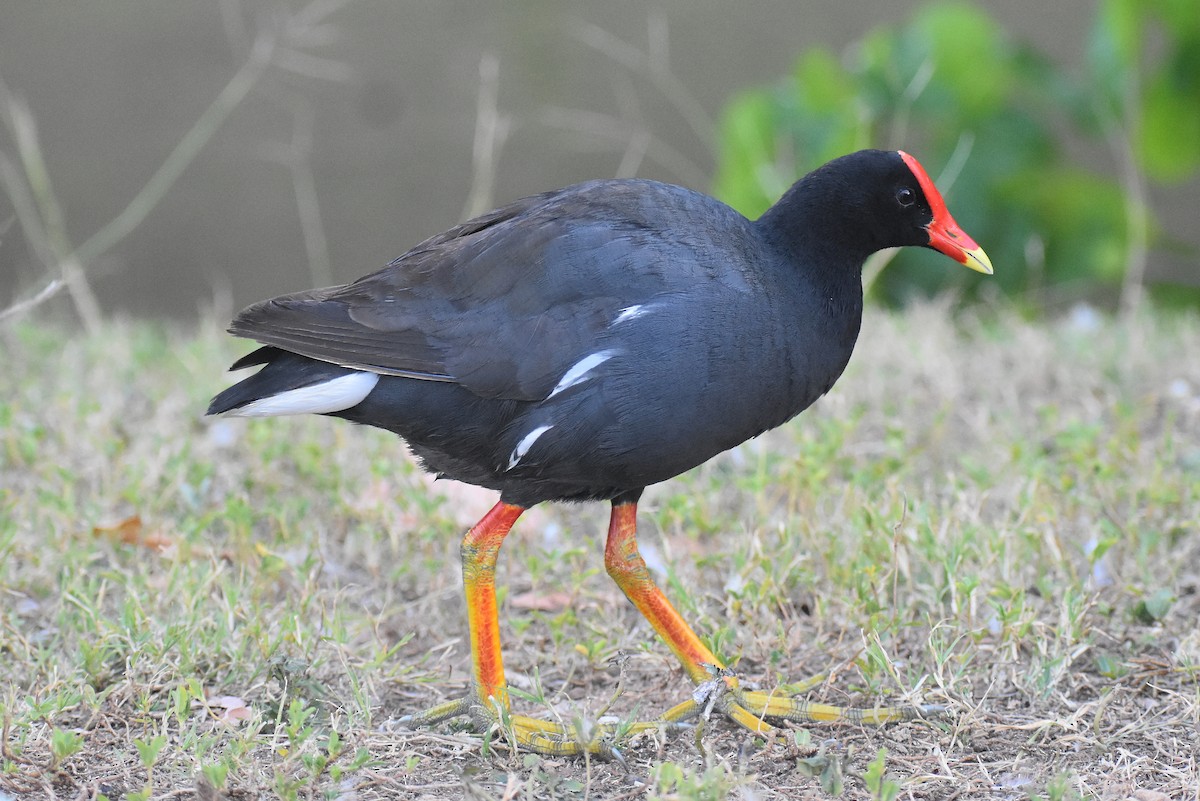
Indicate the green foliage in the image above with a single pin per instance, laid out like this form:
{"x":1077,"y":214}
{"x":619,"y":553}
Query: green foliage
{"x":880,"y":787}
{"x":995,"y":116}
{"x":825,"y":765}
{"x":1159,"y":102}
{"x":1060,"y":788}
{"x":676,"y":782}
{"x":63,"y":744}
{"x":1155,"y":606}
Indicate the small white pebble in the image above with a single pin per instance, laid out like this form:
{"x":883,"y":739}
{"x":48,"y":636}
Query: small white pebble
{"x":222,"y":434}
{"x":653,"y":559}
{"x":26,"y":607}
{"x":551,"y":535}
{"x":737,"y":455}
{"x":1101,"y":575}
{"x":1179,"y":388}
{"x":1084,"y":318}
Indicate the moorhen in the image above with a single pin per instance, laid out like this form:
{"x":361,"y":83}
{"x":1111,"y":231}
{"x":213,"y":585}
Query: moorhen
{"x":585,"y":343}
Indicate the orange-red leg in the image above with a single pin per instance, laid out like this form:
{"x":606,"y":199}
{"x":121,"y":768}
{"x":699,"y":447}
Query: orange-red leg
{"x":717,"y":686}
{"x":488,"y":701}
{"x":627,"y":568}
{"x":478,"y":552}
{"x":489,"y":690}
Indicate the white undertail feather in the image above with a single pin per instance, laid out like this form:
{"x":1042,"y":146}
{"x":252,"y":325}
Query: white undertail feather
{"x":333,"y":395}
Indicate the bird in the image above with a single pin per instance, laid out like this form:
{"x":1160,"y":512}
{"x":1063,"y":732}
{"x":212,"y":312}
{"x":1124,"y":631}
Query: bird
{"x":584,"y":344}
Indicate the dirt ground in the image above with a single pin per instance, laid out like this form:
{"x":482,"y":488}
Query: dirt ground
{"x":231,"y":611}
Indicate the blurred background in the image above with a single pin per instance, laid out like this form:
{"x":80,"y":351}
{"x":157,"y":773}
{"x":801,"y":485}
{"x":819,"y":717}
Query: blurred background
{"x":163,"y":159}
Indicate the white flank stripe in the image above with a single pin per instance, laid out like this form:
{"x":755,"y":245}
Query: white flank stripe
{"x":579,"y":370}
{"x":328,"y":396}
{"x":631,"y":313}
{"x":525,"y":444}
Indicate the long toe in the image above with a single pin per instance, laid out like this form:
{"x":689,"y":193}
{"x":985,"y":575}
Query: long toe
{"x":436,"y":714}
{"x":775,"y":706}
{"x":556,"y":739}
{"x":755,"y":710}
{"x":545,"y":737}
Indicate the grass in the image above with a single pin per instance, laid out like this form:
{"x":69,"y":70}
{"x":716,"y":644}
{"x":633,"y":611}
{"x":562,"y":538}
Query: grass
{"x":993,"y":515}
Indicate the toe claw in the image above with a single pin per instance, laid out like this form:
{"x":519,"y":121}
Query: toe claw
{"x":608,"y":751}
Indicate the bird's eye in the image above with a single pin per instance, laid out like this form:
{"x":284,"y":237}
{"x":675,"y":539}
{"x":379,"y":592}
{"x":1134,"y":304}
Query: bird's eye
{"x":905,"y":196}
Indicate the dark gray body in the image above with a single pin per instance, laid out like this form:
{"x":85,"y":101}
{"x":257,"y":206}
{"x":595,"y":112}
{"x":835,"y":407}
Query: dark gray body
{"x":712,"y":329}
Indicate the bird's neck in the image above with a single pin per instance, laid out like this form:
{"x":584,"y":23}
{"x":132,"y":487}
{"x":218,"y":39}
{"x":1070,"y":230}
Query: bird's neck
{"x":818,"y":262}
{"x":810,"y":227}
{"x":816,"y":247}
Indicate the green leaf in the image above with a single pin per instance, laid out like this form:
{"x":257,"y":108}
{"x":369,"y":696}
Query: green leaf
{"x":828,"y":120}
{"x":148,"y":750}
{"x":1169,"y":140}
{"x":1109,"y":666}
{"x":746,"y":177}
{"x":882,"y":788}
{"x":1113,"y":52}
{"x":969,"y":56}
{"x":822,"y":82}
{"x":952,"y":86}
{"x":1080,"y":217}
{"x":1154,"y":608}
{"x":831,"y":776}
{"x":64,"y":744}
{"x":1182,"y":17}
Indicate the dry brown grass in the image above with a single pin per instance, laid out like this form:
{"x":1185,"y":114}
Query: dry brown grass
{"x":990,"y":514}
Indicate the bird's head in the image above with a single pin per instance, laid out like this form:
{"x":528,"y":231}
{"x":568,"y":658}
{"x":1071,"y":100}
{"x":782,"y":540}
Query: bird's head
{"x":925,"y":202}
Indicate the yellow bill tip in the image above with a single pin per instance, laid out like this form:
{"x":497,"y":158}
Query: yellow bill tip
{"x":978,"y":261}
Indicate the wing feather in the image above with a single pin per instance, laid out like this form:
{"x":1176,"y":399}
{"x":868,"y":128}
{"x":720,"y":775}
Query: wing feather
{"x":502,"y":304}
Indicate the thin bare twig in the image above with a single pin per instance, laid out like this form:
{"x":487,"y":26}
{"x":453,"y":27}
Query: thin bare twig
{"x":41,"y":217}
{"x":183,"y":155}
{"x":42,"y":220}
{"x":304,"y":185}
{"x":1134,"y":185}
{"x":608,"y":127}
{"x":12,"y":180}
{"x":310,"y":18}
{"x":296,"y":156}
{"x":654,"y":64}
{"x":52,"y":288}
{"x":491,"y":131}
{"x":912,"y":90}
{"x":640,"y":137}
{"x":32,"y":189}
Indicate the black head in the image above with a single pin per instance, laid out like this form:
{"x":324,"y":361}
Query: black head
{"x":870,"y":200}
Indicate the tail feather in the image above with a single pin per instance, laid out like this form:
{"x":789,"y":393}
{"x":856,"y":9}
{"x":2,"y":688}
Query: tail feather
{"x":264,"y":355}
{"x":292,"y":384}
